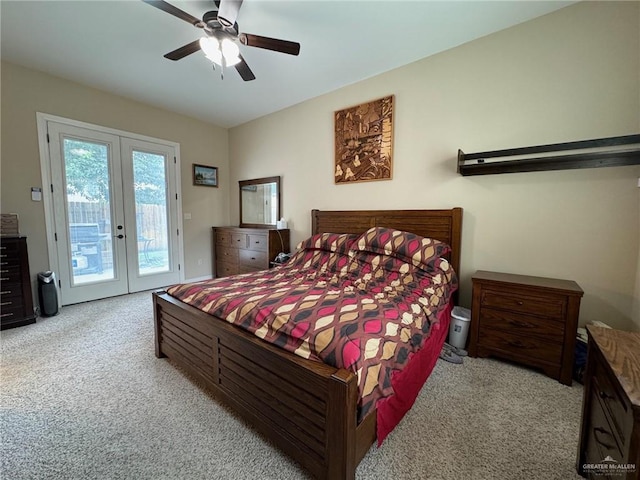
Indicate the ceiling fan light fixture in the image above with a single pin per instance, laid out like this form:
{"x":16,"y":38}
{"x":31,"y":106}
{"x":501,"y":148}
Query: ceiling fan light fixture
{"x":230,"y":51}
{"x":211,"y":48}
{"x":217,"y":51}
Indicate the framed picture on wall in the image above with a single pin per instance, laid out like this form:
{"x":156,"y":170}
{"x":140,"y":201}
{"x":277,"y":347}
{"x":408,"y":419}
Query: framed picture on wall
{"x":205,"y":175}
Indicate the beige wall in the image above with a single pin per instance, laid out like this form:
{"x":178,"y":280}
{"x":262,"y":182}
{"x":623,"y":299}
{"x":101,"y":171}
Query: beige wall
{"x":571,"y":75}
{"x":25,"y":92}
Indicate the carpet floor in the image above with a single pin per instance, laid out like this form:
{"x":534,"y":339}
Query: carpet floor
{"x":84,"y":397}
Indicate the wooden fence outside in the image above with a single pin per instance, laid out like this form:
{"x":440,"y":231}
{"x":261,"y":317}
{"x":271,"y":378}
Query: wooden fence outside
{"x":150,"y":221}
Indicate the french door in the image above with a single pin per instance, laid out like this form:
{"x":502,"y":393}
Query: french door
{"x":115,"y":209}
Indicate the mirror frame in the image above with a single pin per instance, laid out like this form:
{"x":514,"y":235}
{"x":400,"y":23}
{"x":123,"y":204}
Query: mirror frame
{"x":261,"y":181}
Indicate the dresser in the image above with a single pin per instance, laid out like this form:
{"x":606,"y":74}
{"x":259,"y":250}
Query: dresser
{"x":16,"y":300}
{"x":525,"y":319}
{"x":243,"y":250}
{"x":611,"y":406}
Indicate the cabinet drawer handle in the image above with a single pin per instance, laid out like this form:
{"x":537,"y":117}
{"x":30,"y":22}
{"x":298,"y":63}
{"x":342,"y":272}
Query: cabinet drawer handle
{"x":515,"y":343}
{"x":518,"y":323}
{"x":520,"y":302}
{"x":604,"y":395}
{"x":253,"y":258}
{"x":598,"y":430}
{"x":6,"y":315}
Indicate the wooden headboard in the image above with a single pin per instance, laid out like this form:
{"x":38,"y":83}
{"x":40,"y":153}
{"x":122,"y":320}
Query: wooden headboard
{"x":443,"y":225}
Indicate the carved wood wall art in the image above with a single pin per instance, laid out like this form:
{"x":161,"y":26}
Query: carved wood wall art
{"x":364,"y":141}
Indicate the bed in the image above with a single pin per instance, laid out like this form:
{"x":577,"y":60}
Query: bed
{"x":307,"y":408}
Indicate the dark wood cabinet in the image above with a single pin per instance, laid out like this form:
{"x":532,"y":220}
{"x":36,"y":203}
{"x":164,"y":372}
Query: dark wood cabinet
{"x":529,"y":320}
{"x":16,"y":300}
{"x":243,"y":250}
{"x":611,"y":406}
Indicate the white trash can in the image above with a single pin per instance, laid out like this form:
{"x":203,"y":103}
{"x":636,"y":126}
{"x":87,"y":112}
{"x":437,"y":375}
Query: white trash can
{"x":459,"y":326}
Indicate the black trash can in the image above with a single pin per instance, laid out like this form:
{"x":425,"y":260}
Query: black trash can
{"x":47,"y":294}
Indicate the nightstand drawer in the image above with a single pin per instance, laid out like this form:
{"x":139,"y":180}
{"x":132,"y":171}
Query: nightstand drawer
{"x":552,"y":307}
{"x":522,"y":324}
{"x":601,"y":434}
{"x":611,"y":401}
{"x":521,"y":345}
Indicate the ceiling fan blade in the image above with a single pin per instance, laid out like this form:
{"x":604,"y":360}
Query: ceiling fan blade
{"x":183,"y":51}
{"x":244,"y":70}
{"x":228,"y":12}
{"x":175,"y":11}
{"x":283,"y":46}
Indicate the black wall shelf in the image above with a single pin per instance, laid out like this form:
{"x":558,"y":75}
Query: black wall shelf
{"x":602,"y":152}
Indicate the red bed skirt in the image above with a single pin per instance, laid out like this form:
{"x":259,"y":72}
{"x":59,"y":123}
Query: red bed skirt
{"x":408,"y":382}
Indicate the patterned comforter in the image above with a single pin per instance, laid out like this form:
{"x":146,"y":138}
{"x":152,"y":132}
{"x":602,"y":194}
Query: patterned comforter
{"x":342,"y":301}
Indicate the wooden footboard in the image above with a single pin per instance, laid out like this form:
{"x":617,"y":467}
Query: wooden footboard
{"x":306,"y":408}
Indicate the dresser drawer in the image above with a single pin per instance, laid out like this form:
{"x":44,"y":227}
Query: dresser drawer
{"x":254,"y":259}
{"x":611,"y":401}
{"x":10,"y":274}
{"x":10,"y":290}
{"x":239,"y":240}
{"x":11,"y":300}
{"x":522,"y":324}
{"x":258,"y":242}
{"x":524,"y":346}
{"x":223,"y":238}
{"x":247,"y":269}
{"x":7,"y":260}
{"x":9,"y":248}
{"x":15,"y":311}
{"x":227,"y":254}
{"x":224,"y":269}
{"x":552,"y":307}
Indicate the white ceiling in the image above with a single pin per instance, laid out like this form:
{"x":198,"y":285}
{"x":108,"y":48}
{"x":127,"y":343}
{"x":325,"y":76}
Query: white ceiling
{"x":118,"y":46}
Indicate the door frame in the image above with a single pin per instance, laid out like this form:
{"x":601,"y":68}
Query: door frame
{"x":47,"y":183}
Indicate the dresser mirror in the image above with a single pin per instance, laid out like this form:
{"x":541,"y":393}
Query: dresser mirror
{"x":260,"y":202}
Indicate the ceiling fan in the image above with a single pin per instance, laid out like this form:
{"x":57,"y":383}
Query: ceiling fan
{"x":220,"y":43}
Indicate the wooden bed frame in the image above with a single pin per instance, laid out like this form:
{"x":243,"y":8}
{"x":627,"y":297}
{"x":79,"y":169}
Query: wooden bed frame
{"x":307,"y":408}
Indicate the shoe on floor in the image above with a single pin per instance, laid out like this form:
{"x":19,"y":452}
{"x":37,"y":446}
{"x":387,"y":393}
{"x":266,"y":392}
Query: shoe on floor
{"x":458,"y":351}
{"x":449,"y":356}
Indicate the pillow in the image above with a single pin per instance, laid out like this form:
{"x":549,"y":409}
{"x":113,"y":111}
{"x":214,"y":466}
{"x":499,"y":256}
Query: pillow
{"x":331,"y":242}
{"x":409,"y":247}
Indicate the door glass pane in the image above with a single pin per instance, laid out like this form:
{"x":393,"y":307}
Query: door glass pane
{"x":150,"y":190}
{"x":86,"y":166}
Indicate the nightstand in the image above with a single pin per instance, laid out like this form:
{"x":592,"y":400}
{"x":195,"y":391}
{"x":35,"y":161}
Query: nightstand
{"x":529,"y":320}
{"x":611,"y":406}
